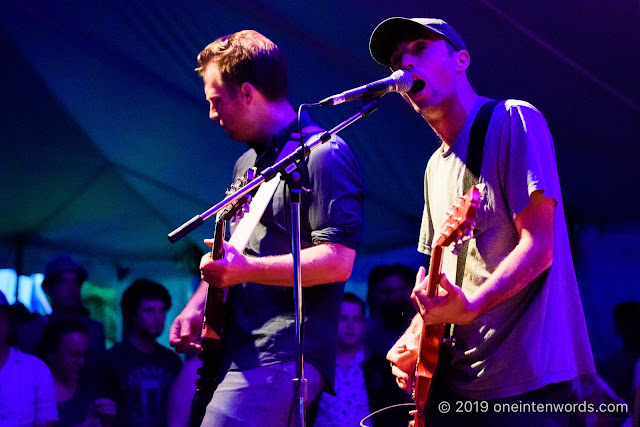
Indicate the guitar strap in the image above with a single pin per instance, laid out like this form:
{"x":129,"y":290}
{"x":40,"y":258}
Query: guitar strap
{"x":477,"y":136}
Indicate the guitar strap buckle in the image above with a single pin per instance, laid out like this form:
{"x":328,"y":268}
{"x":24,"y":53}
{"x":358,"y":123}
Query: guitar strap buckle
{"x":448,"y":339}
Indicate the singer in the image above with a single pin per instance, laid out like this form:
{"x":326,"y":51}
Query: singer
{"x":245,"y":83}
{"x":518,"y":326}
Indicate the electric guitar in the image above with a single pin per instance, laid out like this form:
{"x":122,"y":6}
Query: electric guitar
{"x":457,"y":228}
{"x":215,"y":309}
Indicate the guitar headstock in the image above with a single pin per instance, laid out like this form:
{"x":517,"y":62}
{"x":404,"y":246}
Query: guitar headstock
{"x":238,"y":207}
{"x":460,"y":222}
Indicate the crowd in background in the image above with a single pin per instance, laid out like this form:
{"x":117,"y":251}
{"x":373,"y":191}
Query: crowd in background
{"x":55,"y":369}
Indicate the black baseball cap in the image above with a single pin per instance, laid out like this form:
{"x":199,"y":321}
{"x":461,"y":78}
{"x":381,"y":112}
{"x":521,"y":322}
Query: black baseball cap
{"x":391,"y":31}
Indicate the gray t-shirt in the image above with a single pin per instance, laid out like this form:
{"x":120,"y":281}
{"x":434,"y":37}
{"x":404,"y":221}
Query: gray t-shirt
{"x":539,"y":336}
{"x":261,"y":327}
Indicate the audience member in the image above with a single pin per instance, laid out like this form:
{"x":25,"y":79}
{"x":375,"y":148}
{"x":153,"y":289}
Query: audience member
{"x":363,"y":384}
{"x":80,"y":400}
{"x":350,"y":404}
{"x":617,"y":371}
{"x":390,"y":309}
{"x":27,"y":395}
{"x":63,"y":279}
{"x":142,"y":369}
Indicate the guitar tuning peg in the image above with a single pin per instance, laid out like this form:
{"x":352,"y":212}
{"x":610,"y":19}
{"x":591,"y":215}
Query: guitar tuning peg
{"x":455,"y":249}
{"x":245,"y":208}
{"x":239,"y":215}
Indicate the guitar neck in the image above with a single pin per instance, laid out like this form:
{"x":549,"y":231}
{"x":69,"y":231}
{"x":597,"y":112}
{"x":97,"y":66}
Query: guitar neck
{"x":217,"y":250}
{"x":457,"y":228}
{"x":435,"y":268}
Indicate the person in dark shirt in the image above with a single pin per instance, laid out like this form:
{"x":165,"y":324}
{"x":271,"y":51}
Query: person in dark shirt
{"x":140,"y":369}
{"x":245,"y":82}
{"x":390,"y":309}
{"x":80,"y":399}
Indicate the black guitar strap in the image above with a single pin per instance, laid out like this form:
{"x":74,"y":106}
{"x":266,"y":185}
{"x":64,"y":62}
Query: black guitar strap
{"x":477,"y":135}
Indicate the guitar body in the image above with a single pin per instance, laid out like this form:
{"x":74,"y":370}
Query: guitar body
{"x":456,"y":229}
{"x":429,"y":351}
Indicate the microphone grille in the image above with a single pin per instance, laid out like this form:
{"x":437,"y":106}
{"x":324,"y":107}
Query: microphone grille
{"x":403,"y":79}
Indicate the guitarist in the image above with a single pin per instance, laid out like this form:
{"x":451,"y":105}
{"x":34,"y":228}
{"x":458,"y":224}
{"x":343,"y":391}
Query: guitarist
{"x":245,"y":83}
{"x":519,"y":329}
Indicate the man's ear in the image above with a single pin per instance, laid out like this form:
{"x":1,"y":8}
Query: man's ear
{"x":247,"y":91}
{"x":462,"y":60}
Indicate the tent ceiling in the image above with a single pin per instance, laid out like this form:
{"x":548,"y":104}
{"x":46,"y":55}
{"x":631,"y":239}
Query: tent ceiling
{"x":107,"y":144}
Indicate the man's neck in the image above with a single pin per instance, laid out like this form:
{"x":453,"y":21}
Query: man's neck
{"x":143,"y":342}
{"x":274,"y":117}
{"x":448,"y":118}
{"x":345,"y":355}
{"x":65,"y":387}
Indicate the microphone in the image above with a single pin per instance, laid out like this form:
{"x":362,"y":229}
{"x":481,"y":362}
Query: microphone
{"x":400,"y":81}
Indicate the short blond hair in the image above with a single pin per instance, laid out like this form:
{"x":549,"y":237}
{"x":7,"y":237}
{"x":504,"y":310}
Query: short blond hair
{"x":248,"y":56}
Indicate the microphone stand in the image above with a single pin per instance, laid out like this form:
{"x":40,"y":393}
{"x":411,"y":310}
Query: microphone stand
{"x":287,"y":166}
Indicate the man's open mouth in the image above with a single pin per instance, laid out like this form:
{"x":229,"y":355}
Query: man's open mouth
{"x":418,"y":85}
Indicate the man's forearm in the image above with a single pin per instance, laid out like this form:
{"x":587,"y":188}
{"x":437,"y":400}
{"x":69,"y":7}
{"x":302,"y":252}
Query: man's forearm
{"x":199,"y":297}
{"x":324,"y":263}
